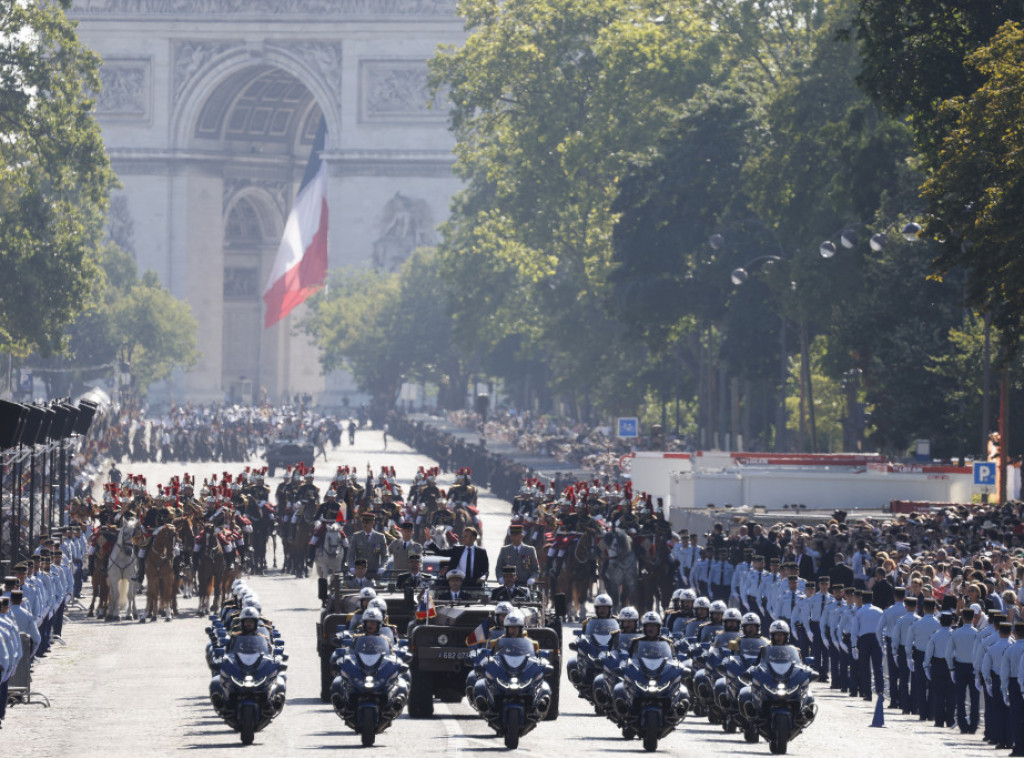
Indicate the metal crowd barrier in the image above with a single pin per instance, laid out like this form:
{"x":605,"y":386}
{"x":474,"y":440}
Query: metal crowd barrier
{"x":20,"y":684}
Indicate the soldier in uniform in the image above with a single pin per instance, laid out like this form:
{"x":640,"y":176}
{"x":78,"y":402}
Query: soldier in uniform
{"x":156,"y":516}
{"x":401,"y":549}
{"x":358,"y":579}
{"x":463,"y":491}
{"x":523,"y":557}
{"x":509,"y":590}
{"x":414,"y":578}
{"x":369,"y":545}
{"x":455,"y":592}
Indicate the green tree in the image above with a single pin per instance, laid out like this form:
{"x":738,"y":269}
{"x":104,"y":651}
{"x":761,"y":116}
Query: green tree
{"x":976,"y":193}
{"x":54,"y":176}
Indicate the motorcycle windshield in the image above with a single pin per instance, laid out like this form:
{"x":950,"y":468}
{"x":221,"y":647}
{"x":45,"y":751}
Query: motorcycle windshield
{"x":652,"y":655}
{"x":780,"y":659}
{"x":601,"y":631}
{"x":514,"y":651}
{"x":369,"y":649}
{"x":750,"y":646}
{"x":625,"y":638}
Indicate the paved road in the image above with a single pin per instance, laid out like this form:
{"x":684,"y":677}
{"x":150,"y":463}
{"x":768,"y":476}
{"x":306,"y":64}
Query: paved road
{"x":141,"y":690}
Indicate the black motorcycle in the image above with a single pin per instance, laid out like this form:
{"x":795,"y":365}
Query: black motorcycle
{"x":372,"y":687}
{"x":745,"y":654}
{"x":611,"y":662}
{"x":588,"y":648}
{"x":777,"y":703}
{"x":650,"y":698}
{"x":249,"y":692}
{"x":510,"y":691}
{"x":704,"y":679}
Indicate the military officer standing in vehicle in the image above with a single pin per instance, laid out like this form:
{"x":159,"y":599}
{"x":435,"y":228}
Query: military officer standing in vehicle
{"x":523,"y":557}
{"x":509,"y":590}
{"x":368,"y":545}
{"x":401,"y":549}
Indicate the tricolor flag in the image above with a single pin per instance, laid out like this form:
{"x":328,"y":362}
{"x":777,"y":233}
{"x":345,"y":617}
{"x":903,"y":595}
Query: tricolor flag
{"x":426,"y":609}
{"x":479,"y":634}
{"x":300,"y":268}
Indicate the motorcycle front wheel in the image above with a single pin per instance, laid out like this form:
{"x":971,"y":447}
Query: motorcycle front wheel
{"x":650,"y":734}
{"x":367,"y":727}
{"x":779,"y":744}
{"x":512,"y":728}
{"x":247,"y":726}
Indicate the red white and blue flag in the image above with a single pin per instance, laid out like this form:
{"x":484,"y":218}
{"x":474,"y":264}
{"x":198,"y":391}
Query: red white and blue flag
{"x":426,"y":609}
{"x":479,"y":634}
{"x":300,"y":268}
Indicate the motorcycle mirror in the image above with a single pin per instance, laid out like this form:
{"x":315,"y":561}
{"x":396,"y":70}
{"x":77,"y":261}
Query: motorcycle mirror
{"x":573,"y":646}
{"x":577,"y":632}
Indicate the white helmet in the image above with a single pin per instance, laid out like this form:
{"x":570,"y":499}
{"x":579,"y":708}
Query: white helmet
{"x":719,"y":606}
{"x":373,"y":614}
{"x":379,"y":603}
{"x":252,"y":601}
{"x":778,"y":626}
{"x":367,"y":593}
{"x":249,"y":613}
{"x":701,"y":602}
{"x":629,"y":613}
{"x":687,"y":594}
{"x":603,"y":600}
{"x":514,"y":618}
{"x":731,"y":615}
{"x":651,"y":617}
{"x":750,"y":618}
{"x":503,"y":607}
{"x":678,"y":594}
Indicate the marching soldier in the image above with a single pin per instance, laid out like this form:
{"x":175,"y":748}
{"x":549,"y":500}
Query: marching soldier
{"x":936,"y":670}
{"x":523,"y":557}
{"x":960,"y":662}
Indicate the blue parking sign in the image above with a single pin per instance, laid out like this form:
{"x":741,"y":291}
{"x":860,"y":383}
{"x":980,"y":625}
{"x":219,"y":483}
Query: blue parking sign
{"x":629,"y":427}
{"x":985,"y":473}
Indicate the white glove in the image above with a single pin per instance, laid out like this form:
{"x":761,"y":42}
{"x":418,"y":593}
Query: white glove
{"x":952,"y":676}
{"x":977,"y":683}
{"x":910,"y":664}
{"x":531,"y":581}
{"x":1006,"y":699}
{"x":810,"y":635}
{"x":988,"y":688}
{"x":928,"y":674}
{"x":856,"y":654}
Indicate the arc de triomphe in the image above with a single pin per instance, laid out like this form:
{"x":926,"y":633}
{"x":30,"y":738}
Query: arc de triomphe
{"x":209,"y":109}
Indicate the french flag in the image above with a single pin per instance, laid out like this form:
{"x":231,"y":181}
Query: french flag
{"x":300,"y":268}
{"x":426,"y":609}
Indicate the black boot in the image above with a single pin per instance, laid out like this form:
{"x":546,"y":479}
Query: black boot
{"x":321,"y":590}
{"x":141,"y":573}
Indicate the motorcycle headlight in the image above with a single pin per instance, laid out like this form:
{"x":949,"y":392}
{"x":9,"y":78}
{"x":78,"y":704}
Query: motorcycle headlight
{"x":368,"y":683}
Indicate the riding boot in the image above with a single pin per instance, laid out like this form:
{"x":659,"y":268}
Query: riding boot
{"x":92,"y":564}
{"x":141,"y":573}
{"x":321,"y":590}
{"x":310,"y":554}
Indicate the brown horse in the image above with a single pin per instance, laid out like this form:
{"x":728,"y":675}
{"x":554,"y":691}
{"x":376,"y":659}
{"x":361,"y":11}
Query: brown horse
{"x":296,"y":548}
{"x":100,"y":588}
{"x":576,"y":578}
{"x":160,"y":584}
{"x":212,"y":574}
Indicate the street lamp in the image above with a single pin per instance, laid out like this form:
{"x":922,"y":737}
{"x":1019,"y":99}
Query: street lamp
{"x":847,"y":238}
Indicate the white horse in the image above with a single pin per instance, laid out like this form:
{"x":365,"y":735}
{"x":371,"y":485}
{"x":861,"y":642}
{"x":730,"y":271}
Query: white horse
{"x":330,"y":552}
{"x":121,"y":573}
{"x":438,"y":541}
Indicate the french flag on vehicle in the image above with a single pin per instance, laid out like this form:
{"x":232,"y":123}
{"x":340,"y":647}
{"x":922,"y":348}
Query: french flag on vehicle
{"x":479,"y":634}
{"x":300,"y":268}
{"x":426,"y":609}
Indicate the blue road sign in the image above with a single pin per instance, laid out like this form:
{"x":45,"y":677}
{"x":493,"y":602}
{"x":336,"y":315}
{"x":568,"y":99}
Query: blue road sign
{"x":629,"y":427}
{"x":985,"y":473}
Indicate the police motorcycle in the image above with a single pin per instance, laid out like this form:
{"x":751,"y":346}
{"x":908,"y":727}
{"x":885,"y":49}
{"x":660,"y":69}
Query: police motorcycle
{"x":249,"y":690}
{"x":242,"y":598}
{"x":695,"y":651}
{"x":650,"y":699}
{"x":585,"y":664}
{"x":372,"y":685}
{"x":777,"y":703}
{"x":746,"y":652}
{"x":705,"y":678}
{"x":510,"y":691}
{"x":610,"y":661}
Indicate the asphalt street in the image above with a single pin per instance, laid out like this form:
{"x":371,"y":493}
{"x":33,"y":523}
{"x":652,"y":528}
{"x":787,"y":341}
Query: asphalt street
{"x":141,"y":689}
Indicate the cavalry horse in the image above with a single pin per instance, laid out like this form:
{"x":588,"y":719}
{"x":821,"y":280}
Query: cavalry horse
{"x":656,"y":575}
{"x":212,"y":574}
{"x":185,"y":572}
{"x":295,"y":549}
{"x":621,"y":572}
{"x":105,"y":538}
{"x":329,"y":556}
{"x":161,"y":587}
{"x":576,"y":578}
{"x":121,"y":571}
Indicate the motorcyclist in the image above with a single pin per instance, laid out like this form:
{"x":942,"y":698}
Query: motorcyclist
{"x":366,"y":594}
{"x":682,"y":609}
{"x":651,"y":626}
{"x":714,"y":624}
{"x":515,"y":626}
{"x":386,"y":629}
{"x":701,"y":612}
{"x":501,"y":610}
{"x":602,"y":610}
{"x":750,"y":625}
{"x":778,"y":636}
{"x":629,"y":619}
{"x":373,"y":625}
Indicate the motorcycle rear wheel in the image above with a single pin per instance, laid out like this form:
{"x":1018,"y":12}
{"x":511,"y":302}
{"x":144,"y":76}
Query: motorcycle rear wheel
{"x":512,"y":729}
{"x":367,"y":727}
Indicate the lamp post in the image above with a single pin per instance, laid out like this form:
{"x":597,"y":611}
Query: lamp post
{"x":738,"y":277}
